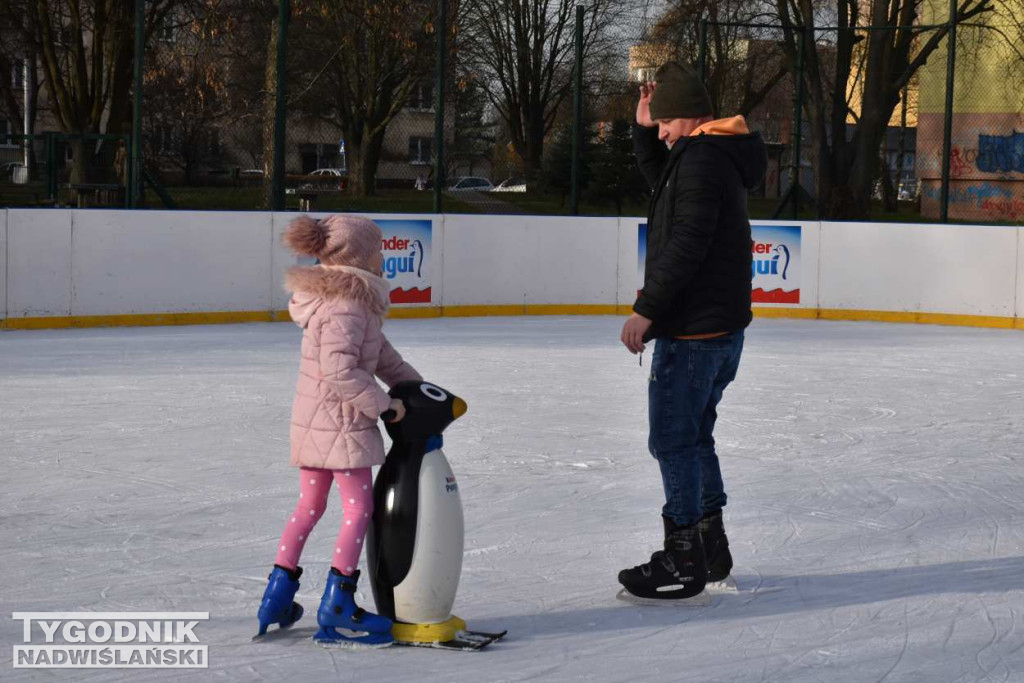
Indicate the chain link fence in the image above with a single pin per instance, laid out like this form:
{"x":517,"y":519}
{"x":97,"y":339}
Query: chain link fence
{"x":374,"y":116}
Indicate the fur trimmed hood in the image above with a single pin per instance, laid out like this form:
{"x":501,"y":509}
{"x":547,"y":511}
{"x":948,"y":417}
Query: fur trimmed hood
{"x":312,"y":286}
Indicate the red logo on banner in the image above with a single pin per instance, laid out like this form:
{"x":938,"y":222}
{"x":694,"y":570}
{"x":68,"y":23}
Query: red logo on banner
{"x":410,"y":296}
{"x":776,"y":296}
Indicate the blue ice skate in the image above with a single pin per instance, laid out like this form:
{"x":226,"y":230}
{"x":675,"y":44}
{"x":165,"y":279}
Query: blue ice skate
{"x":279,"y":606}
{"x":338,"y":610}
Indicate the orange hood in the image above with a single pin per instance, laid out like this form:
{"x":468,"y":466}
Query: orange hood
{"x":736,"y":125}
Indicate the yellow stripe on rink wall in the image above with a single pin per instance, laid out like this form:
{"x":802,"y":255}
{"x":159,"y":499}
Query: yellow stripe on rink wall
{"x":229,"y":317}
{"x":143,"y":320}
{"x":999,"y":322}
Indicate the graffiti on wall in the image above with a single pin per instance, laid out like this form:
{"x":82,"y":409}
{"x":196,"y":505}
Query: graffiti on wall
{"x":994,"y":154}
{"x":961,"y":161}
{"x":986,"y":166}
{"x":1001,"y":153}
{"x":976,"y":200}
{"x":974,"y":193}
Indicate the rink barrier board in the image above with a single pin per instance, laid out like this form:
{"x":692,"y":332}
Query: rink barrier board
{"x":86,"y":268}
{"x":234,"y":317}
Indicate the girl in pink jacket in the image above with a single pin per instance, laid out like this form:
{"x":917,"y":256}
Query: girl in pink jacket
{"x":340,"y":305}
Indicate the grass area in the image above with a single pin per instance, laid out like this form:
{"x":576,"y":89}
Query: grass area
{"x":250,"y":199}
{"x":28,"y":195}
{"x":553,"y":205}
{"x":760,"y":208}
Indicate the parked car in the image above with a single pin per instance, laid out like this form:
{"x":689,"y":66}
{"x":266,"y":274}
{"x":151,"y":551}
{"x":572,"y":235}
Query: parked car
{"x":328,"y":178}
{"x":471,"y":183}
{"x":511,"y":185}
{"x":331,"y":172}
{"x":251,"y":173}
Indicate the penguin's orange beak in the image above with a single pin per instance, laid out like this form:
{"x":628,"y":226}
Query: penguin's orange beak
{"x":459,"y":408}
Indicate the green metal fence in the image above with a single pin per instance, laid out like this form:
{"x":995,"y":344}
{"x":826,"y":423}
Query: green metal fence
{"x":526,"y":107}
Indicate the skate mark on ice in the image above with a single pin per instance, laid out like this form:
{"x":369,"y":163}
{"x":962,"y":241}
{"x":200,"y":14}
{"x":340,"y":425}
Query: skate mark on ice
{"x":472,"y":552}
{"x":992,"y":641}
{"x":906,"y":640}
{"x":825,"y":515}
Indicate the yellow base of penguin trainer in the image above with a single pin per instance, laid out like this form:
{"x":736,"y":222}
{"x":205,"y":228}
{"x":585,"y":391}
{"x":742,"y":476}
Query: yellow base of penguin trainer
{"x":428,"y":633}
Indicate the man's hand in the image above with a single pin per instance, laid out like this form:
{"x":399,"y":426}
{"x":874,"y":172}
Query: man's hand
{"x":633,"y":332}
{"x":643,"y":108}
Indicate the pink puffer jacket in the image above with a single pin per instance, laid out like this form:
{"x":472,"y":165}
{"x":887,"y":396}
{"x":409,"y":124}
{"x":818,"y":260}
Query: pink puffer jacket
{"x":337,"y":400}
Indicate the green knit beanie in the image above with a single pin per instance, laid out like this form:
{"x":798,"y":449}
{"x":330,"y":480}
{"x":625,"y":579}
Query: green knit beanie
{"x":679,"y":94}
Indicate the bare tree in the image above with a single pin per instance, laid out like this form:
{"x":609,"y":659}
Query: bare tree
{"x":85,"y":49}
{"x":744,"y":63}
{"x":524,"y":51}
{"x":360,"y":61}
{"x":186,"y":88}
{"x":846,"y":166}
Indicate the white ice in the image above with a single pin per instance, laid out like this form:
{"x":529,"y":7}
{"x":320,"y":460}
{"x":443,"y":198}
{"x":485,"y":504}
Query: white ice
{"x":875,"y":473}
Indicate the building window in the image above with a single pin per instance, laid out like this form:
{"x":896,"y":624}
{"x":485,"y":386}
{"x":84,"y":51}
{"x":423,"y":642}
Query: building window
{"x":422,"y":97}
{"x":165,"y":31}
{"x":420,"y":150}
{"x":644,"y":74}
{"x":6,"y":131}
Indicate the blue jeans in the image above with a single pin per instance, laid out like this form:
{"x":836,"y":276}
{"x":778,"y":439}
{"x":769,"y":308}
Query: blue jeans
{"x":687,"y":380}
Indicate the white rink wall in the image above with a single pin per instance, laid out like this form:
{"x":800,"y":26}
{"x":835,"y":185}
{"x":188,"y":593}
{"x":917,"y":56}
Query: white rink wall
{"x":59,"y":264}
{"x":522,"y":260}
{"x":955,"y":269}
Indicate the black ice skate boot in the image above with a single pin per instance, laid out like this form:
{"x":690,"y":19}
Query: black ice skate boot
{"x":716,"y":547}
{"x":675,"y":573}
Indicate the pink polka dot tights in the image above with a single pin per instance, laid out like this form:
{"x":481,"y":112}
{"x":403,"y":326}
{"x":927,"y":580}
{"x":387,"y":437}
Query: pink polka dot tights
{"x":356,"y":489}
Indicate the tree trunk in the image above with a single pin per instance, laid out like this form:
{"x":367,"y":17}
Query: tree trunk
{"x":269,"y":117}
{"x":363,"y":160}
{"x":31,"y":88}
{"x":80,"y":166}
{"x":889,"y":193}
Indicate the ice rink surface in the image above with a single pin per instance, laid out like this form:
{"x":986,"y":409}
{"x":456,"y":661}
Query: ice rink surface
{"x":875,"y":473}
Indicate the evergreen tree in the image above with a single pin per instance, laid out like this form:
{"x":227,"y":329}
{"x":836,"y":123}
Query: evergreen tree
{"x":615,"y":174}
{"x":556,"y":175}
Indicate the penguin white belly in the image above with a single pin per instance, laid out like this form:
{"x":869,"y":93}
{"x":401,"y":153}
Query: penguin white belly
{"x":427,"y":593}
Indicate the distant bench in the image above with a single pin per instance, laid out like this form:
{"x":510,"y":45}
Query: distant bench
{"x":100,"y":194}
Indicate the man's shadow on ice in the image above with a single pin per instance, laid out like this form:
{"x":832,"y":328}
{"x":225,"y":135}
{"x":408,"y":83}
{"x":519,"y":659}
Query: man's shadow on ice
{"x":772,"y":596}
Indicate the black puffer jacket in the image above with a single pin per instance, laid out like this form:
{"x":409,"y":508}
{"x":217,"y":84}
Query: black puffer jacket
{"x":698,"y":268}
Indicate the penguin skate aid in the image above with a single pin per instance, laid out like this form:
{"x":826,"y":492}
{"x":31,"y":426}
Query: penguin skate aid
{"x":340,"y":305}
{"x":415,"y":543}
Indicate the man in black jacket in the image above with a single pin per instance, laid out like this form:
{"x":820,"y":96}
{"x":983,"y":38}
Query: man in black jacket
{"x":695,"y":304}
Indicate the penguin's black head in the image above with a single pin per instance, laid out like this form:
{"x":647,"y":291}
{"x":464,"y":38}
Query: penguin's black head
{"x":429,"y":411}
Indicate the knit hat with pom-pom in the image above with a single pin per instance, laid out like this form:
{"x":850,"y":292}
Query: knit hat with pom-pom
{"x":338,"y":240}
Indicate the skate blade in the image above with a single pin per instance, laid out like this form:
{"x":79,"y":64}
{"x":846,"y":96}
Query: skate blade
{"x":297,"y":613}
{"x":700,"y":600}
{"x":351,"y":645}
{"x":271,"y":635}
{"x":465,"y":641}
{"x":726,"y":585}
